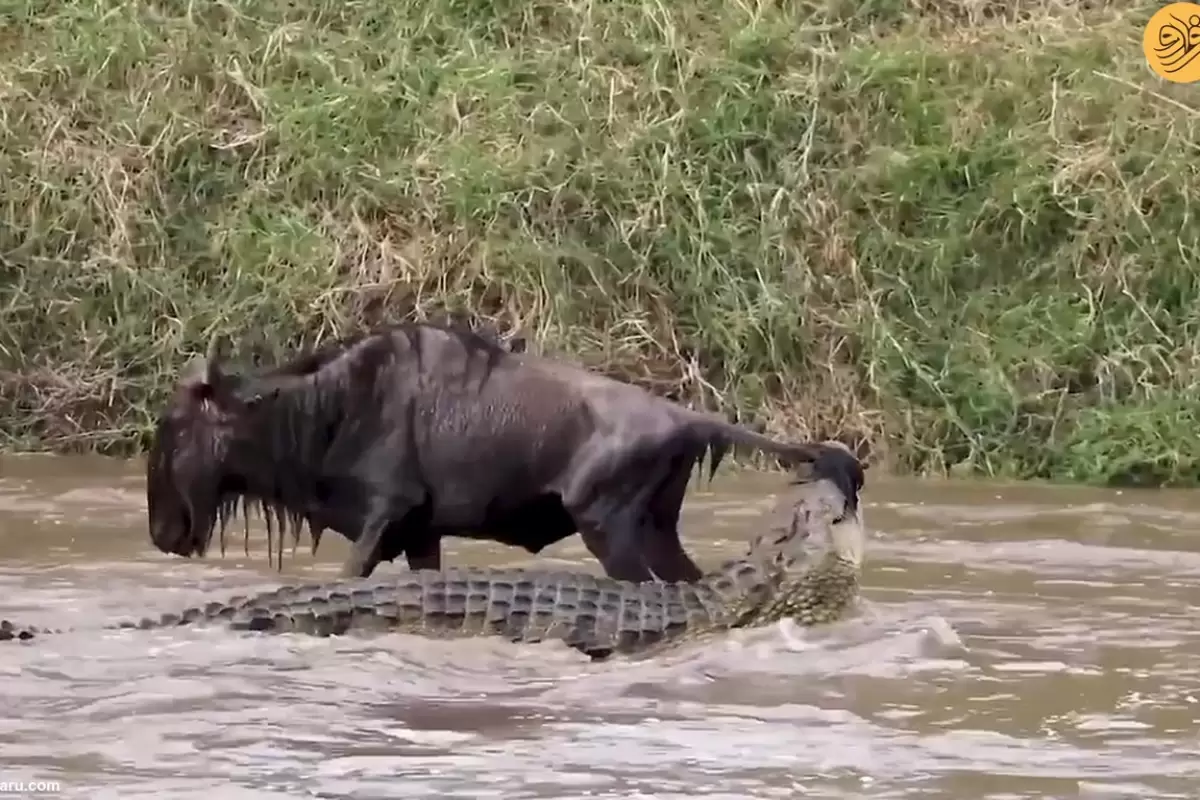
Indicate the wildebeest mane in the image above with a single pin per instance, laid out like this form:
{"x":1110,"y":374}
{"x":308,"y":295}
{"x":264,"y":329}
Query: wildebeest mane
{"x":302,"y":406}
{"x":312,"y":361}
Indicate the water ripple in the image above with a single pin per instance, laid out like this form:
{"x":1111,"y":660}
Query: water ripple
{"x":1019,"y":646}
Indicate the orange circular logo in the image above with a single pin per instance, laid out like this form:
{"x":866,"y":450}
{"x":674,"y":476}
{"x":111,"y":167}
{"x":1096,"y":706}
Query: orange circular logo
{"x":1171,"y":42}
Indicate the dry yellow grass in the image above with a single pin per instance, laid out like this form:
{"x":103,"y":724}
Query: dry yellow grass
{"x":959,"y":229}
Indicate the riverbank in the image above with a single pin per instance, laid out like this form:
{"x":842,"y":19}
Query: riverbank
{"x":963,"y":235}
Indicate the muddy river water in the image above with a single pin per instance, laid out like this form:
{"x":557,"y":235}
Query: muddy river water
{"x":1015,"y":642}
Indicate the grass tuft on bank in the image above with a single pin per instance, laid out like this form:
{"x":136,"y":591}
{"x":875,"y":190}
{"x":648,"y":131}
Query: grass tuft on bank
{"x":959,"y":229}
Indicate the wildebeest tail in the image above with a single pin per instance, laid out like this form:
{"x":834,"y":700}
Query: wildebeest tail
{"x":815,"y":460}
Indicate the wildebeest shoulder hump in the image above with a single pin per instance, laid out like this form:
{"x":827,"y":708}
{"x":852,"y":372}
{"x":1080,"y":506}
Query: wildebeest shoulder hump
{"x":311,"y":361}
{"x":369,"y":348}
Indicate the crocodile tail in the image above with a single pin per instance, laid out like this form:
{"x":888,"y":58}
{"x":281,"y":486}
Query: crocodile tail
{"x":11,"y":632}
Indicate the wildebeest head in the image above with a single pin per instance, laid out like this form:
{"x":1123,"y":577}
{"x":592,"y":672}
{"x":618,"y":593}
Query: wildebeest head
{"x":229,"y":442}
{"x":194,"y":469}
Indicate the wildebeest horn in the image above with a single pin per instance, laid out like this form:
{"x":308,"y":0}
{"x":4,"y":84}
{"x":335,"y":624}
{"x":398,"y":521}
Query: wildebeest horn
{"x":203,"y":370}
{"x":212,"y":359}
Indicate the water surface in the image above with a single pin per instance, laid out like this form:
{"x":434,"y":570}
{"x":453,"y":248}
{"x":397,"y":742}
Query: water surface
{"x":1015,"y":642}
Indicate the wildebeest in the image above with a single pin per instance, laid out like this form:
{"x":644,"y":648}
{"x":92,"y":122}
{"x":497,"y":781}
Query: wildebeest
{"x":400,"y":436}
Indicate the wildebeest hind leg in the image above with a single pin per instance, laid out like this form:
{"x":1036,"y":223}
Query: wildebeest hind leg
{"x":615,"y":547}
{"x":667,"y":559}
{"x":611,"y":519}
{"x":663,"y":551}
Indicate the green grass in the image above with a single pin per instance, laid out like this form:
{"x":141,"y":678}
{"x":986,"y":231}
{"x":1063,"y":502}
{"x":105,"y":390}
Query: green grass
{"x":961,"y":230}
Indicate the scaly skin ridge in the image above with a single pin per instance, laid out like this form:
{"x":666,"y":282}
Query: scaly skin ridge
{"x":805,"y":569}
{"x":593,"y":614}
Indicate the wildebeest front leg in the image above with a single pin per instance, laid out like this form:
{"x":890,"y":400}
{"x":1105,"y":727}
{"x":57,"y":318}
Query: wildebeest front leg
{"x":596,"y":544}
{"x":366,"y":552}
{"x":404,"y":538}
{"x":424,"y":552}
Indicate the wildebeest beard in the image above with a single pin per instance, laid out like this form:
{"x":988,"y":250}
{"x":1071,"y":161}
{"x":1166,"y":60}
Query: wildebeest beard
{"x":270,"y":473}
{"x":401,"y":436}
{"x":278,"y":519}
{"x":211,"y":502}
{"x":279,"y":497}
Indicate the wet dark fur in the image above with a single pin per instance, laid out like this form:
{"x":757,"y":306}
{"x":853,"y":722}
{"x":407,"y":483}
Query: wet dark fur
{"x":400,"y":436}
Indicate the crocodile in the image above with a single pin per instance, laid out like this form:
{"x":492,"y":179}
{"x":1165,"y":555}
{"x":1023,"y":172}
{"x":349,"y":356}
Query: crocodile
{"x":805,"y":566}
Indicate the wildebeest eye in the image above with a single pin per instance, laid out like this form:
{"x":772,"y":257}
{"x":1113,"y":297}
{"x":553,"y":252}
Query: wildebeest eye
{"x":253,"y":400}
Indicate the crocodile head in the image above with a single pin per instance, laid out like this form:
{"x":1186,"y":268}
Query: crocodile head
{"x":812,"y":556}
